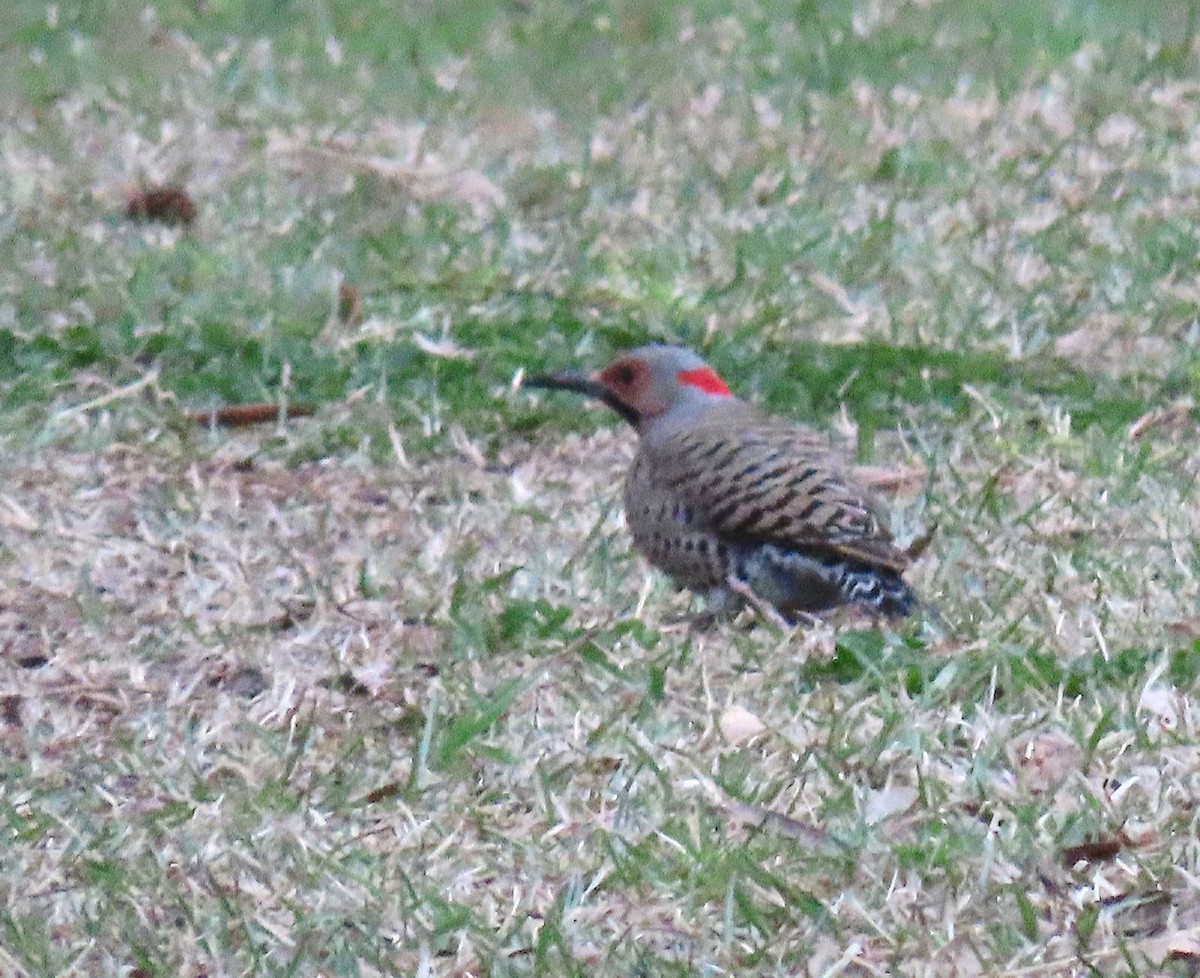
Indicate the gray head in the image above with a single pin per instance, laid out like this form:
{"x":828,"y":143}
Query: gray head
{"x":644,"y":384}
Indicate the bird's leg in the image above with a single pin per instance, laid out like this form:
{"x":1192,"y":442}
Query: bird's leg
{"x":720,"y":607}
{"x":768,"y":611}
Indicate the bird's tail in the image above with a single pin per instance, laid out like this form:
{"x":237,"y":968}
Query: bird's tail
{"x":794,"y":581}
{"x":877,"y":590}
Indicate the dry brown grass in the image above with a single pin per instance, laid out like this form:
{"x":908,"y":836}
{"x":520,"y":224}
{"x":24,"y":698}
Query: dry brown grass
{"x":385,"y":691}
{"x":250,"y":670}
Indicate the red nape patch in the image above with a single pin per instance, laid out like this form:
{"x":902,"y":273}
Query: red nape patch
{"x":706,"y":380}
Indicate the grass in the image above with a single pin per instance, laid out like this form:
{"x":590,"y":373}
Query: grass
{"x":385,"y":691}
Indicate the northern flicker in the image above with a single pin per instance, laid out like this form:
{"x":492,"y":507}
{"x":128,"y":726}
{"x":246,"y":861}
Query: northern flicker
{"x":724,"y":499}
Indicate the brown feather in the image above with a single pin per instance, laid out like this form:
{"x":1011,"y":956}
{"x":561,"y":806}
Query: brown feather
{"x":748,"y":479}
{"x":725,"y":499}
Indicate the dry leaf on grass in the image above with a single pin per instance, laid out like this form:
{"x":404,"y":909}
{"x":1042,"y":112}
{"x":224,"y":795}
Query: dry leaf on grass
{"x":739,"y":725}
{"x":422,"y":176}
{"x":890,"y":800}
{"x":14,"y":516}
{"x":1163,"y":704}
{"x":1138,"y":914}
{"x":350,"y":304}
{"x":1103,"y":849}
{"x":10,"y":709}
{"x":1183,"y":945}
{"x":1043,"y":759}
{"x":167,"y":205}
{"x":444,"y":348}
{"x":1185,"y":627}
{"x":240,"y":680}
{"x":1109,"y":343}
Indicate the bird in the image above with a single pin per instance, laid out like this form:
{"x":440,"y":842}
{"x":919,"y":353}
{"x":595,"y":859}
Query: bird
{"x":741,"y":506}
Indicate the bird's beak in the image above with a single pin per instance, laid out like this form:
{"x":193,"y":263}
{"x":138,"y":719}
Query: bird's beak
{"x":588,"y":385}
{"x":569,"y":380}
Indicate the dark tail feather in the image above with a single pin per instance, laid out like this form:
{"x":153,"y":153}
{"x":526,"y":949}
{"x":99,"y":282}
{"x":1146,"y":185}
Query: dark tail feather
{"x":797,"y":582}
{"x":878,"y":590}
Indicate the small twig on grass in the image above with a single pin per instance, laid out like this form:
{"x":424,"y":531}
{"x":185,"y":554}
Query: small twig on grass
{"x":1180,"y":945}
{"x":121,"y":393}
{"x":758,"y":817}
{"x":1172,"y":413}
{"x":892,"y":478}
{"x":921,"y":543}
{"x":777,"y":823}
{"x":241,"y":415}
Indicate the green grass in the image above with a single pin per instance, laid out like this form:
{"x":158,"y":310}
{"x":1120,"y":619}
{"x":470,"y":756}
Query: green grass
{"x":385,"y":690}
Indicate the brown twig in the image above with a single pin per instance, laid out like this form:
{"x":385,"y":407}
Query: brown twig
{"x":242,"y":415}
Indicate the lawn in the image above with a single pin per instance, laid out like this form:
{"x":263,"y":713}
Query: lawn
{"x":377,"y":686}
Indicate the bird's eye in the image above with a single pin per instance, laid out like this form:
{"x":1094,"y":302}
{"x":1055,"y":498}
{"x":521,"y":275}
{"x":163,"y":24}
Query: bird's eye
{"x":625,"y":374}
